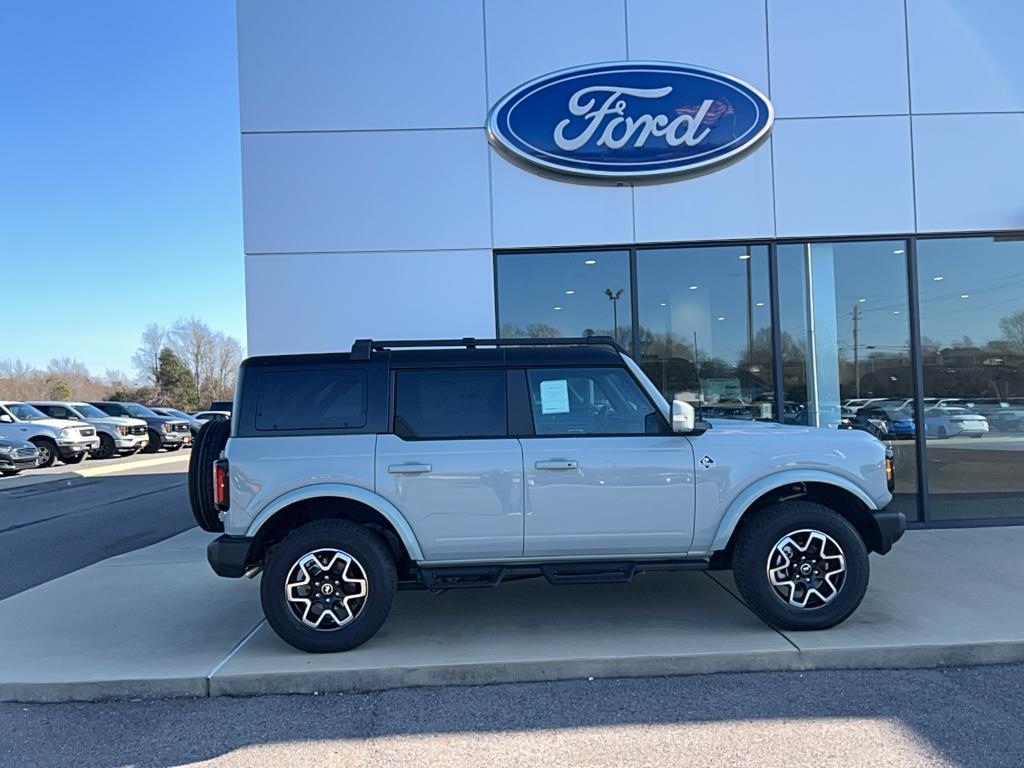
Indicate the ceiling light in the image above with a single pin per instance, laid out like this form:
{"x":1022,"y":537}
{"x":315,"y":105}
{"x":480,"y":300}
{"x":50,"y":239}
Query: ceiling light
{"x":558,"y":309}
{"x":664,"y":304}
{"x":760,"y":303}
{"x":569,"y":292}
{"x":861,"y":300}
{"x":895,"y":311}
{"x":965,"y":295}
{"x":721,"y":317}
{"x":938,"y":277}
{"x":898,"y":250}
{"x":744,"y":257}
{"x":590,"y":262}
{"x":693,"y":287}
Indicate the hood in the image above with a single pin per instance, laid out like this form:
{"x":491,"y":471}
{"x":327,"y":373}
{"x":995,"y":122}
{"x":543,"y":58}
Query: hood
{"x":57,"y":424}
{"x":118,"y":421}
{"x":771,"y":429}
{"x":13,"y":442}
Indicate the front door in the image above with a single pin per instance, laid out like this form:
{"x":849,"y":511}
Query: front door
{"x":604,"y":476}
{"x":450,"y":467}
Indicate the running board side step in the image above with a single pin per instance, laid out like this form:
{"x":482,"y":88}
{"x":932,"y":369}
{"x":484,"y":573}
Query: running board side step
{"x":571,"y":572}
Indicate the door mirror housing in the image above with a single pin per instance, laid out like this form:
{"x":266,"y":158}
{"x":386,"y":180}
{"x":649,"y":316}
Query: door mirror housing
{"x":684,"y":419}
{"x":5,"y":419}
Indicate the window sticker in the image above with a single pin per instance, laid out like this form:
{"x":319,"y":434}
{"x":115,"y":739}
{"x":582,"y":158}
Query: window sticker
{"x":554,"y":396}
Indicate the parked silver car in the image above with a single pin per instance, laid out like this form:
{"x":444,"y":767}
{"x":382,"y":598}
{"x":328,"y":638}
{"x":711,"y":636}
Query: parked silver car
{"x":117,"y":434}
{"x":70,"y":441}
{"x":347,"y":476}
{"x":17,"y":456}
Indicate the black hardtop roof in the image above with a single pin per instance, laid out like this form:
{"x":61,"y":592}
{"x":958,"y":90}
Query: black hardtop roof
{"x":462,"y":353}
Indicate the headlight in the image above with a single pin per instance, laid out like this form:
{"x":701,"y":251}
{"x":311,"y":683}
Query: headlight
{"x":67,"y":432}
{"x":122,"y":430}
{"x":168,"y":427}
{"x":6,"y":450}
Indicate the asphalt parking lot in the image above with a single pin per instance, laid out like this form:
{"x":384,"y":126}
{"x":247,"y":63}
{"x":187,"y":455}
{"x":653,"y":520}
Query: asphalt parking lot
{"x":48,"y":529}
{"x":924,"y":718}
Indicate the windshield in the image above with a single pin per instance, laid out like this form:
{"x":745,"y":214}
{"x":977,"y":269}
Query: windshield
{"x":25,"y":412}
{"x":139,"y":410}
{"x":87,"y":411}
{"x":176,"y":412}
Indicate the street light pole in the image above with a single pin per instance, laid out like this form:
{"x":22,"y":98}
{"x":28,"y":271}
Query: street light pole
{"x":856,"y":349}
{"x":613,"y":296}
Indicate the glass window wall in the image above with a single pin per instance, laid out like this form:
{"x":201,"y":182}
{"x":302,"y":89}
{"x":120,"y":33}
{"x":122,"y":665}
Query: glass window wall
{"x":972,"y":342}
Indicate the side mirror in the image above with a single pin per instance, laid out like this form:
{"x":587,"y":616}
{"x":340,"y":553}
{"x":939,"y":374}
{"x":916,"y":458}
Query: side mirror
{"x":683,"y":416}
{"x":4,"y":418}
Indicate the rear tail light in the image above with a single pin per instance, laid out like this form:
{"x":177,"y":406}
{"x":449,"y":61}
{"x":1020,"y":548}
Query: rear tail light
{"x":221,"y":497}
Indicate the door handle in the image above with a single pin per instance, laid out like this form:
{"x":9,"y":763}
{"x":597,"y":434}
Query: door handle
{"x":557,"y":464}
{"x":409,"y":469}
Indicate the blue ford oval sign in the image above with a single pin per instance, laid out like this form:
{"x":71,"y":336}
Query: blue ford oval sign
{"x":630,"y":120}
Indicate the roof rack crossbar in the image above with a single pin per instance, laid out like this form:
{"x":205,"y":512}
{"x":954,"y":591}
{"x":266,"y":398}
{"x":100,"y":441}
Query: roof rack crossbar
{"x":362,"y":347}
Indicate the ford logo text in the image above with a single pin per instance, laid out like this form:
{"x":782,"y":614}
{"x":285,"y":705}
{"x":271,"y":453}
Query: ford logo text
{"x":630,"y":120}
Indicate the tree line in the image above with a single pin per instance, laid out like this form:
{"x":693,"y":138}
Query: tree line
{"x":184,"y":366}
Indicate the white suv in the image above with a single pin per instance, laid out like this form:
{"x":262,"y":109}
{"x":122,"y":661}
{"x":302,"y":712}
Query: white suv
{"x":448,"y":464}
{"x":70,"y":441}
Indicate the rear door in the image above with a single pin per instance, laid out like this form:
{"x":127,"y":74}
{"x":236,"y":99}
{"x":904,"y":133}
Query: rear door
{"x":604,"y":474}
{"x":450,"y":466}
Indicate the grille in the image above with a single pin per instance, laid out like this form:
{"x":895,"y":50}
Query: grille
{"x":87,"y":432}
{"x":138,"y":429}
{"x":181,"y":427}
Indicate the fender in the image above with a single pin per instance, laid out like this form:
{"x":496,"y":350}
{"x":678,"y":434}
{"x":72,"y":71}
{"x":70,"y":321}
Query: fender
{"x":759,"y":488}
{"x":342,"y":491}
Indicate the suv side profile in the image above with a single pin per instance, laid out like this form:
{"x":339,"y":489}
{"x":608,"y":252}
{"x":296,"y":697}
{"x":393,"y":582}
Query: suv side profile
{"x":447,"y":464}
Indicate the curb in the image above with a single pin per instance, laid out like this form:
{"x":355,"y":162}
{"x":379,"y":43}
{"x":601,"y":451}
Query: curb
{"x":490,"y":673}
{"x":26,"y":481}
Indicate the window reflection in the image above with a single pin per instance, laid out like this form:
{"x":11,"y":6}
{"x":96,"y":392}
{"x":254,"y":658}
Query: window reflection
{"x":843,"y":310}
{"x":972,"y":343}
{"x":578,"y":293}
{"x":705,"y":327}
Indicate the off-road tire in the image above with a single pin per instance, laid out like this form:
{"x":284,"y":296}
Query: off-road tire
{"x":155,"y":443}
{"x":372,"y":554}
{"x":755,"y":542}
{"x":207,"y":449}
{"x":48,"y":453}
{"x":107,"y":449}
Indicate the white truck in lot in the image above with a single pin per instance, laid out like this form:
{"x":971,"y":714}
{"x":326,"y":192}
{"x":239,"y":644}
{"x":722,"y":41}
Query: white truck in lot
{"x":117,"y":434}
{"x":69,"y":441}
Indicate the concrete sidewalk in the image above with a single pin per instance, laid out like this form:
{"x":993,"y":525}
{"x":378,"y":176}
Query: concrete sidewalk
{"x":158,"y":622}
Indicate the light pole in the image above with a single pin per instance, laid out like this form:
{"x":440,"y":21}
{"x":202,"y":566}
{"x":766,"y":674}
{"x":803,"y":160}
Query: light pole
{"x":613,"y":296}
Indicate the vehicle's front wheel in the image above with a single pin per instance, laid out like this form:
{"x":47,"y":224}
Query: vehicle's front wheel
{"x":107,"y":448}
{"x":328,"y":586}
{"x":77,"y":458}
{"x":9,"y":472}
{"x":174,"y":447}
{"x":155,"y":442}
{"x":48,"y":453}
{"x":800,"y":565}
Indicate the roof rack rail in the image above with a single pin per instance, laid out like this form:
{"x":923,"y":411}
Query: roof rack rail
{"x":361,"y":348}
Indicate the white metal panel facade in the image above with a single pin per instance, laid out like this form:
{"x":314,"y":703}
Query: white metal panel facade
{"x":364,"y":136}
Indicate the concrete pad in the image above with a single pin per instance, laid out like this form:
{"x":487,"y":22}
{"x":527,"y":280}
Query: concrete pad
{"x":187,"y":547}
{"x":660,"y":624}
{"x":939,"y":598}
{"x":131,"y":631}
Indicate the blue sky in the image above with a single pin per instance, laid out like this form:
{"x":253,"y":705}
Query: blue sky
{"x":120,"y":198}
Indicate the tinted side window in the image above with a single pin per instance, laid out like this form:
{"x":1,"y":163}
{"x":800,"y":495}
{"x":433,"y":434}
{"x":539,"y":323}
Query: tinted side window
{"x":311,"y":399}
{"x":589,"y":401}
{"x":450,"y":404}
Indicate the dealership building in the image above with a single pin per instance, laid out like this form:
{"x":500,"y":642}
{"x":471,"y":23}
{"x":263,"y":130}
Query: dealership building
{"x":777,"y":206}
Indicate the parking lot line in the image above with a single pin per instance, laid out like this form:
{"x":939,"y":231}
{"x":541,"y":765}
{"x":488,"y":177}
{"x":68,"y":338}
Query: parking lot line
{"x":110,"y":469}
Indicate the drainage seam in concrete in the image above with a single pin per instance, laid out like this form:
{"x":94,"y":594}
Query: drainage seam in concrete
{"x":740,"y":601}
{"x":232,"y":652}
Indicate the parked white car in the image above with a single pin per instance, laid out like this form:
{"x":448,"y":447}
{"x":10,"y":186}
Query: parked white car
{"x":69,"y":441}
{"x":117,"y":434}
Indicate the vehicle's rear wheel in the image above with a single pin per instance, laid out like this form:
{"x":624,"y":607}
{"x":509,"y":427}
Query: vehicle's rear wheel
{"x":107,"y":447}
{"x":209,"y":443}
{"x":48,"y":453}
{"x":800,"y":565}
{"x":328,"y":586}
{"x":78,"y":458}
{"x":942,"y":433}
{"x":155,"y":442}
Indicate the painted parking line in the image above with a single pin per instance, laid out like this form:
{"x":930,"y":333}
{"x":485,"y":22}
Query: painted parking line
{"x":110,"y":469}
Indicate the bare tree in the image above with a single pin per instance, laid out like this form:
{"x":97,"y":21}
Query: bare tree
{"x":194,"y":342}
{"x":146,"y":359}
{"x":19,"y":380}
{"x":228,"y":356}
{"x":1012,"y":327}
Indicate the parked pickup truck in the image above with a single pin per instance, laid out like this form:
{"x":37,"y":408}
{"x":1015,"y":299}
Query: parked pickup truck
{"x":163,"y":431}
{"x":343,"y":477}
{"x":118,"y":434}
{"x":70,"y":441}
